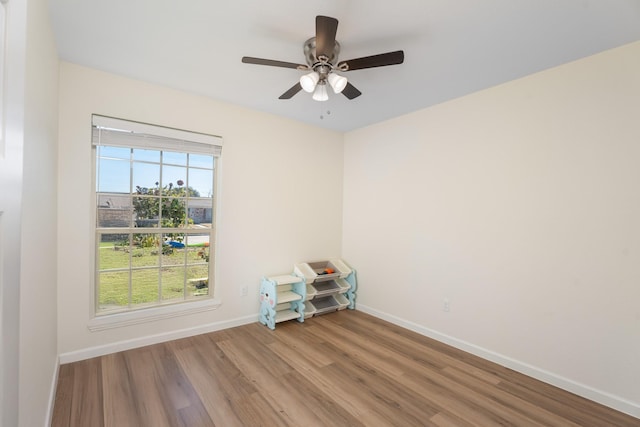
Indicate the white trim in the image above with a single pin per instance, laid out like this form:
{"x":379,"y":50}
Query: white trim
{"x":3,"y":62}
{"x":88,"y":353}
{"x":52,"y":392}
{"x":152,"y":314}
{"x":580,"y":389}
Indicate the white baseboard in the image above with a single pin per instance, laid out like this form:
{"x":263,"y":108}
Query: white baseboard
{"x":88,"y":353}
{"x":52,"y":392}
{"x":583,"y":390}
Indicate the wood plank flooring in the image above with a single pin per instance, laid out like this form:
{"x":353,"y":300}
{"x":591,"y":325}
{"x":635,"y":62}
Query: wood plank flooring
{"x":341,"y":369}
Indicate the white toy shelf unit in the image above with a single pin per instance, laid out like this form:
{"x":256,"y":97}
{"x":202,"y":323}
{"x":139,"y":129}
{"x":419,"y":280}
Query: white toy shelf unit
{"x":314,"y":288}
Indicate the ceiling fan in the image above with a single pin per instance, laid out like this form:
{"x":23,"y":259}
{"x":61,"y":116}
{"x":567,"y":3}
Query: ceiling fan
{"x":321,"y":54}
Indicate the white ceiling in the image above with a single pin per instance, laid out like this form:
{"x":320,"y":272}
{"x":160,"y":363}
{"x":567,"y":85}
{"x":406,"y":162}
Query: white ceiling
{"x":452,"y":47}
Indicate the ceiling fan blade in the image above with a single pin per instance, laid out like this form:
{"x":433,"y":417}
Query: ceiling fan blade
{"x":351,"y":92}
{"x":380,"y":60}
{"x":326,"y":28}
{"x":289,"y":94}
{"x":273,"y":63}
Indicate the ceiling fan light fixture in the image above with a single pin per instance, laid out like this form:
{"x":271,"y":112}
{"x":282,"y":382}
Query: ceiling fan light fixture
{"x":309,"y":81}
{"x":320,"y":94}
{"x":337,"y":82}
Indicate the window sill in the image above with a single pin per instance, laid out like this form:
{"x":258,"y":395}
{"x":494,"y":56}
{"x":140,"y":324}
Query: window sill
{"x":118,"y":320}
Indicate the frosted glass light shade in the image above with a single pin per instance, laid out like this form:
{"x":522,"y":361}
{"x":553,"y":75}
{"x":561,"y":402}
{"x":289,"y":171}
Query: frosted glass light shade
{"x":337,"y":82}
{"x":320,"y":93}
{"x":309,"y":81}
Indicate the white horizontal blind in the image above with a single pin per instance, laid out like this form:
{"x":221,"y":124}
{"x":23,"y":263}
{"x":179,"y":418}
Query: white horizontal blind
{"x":123,"y":133}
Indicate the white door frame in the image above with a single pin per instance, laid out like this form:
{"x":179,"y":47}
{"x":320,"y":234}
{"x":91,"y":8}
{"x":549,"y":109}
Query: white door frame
{"x":12,"y":102}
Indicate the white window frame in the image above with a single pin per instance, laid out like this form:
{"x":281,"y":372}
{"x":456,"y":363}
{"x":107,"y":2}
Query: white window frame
{"x":160,"y":138}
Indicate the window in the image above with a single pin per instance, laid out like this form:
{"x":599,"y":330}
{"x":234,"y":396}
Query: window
{"x":155,"y":215}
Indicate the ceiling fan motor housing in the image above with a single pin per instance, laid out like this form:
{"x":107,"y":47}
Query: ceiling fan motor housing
{"x":323,"y":65}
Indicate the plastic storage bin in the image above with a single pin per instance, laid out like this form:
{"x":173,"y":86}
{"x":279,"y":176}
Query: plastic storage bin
{"x":330,"y":286}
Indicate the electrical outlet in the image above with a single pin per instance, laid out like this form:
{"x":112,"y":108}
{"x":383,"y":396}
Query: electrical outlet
{"x":446,"y":306}
{"x":244,"y":291}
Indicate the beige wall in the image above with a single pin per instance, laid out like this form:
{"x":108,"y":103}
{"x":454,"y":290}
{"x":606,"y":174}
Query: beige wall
{"x":38,"y":311}
{"x":281,"y":199}
{"x":519,"y":204}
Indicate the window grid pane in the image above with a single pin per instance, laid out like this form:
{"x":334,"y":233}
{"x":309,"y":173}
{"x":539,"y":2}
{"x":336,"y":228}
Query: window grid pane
{"x":153,"y":239}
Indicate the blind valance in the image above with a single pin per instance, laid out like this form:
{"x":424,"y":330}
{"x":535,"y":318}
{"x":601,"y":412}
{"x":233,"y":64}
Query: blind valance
{"x":124,"y":133}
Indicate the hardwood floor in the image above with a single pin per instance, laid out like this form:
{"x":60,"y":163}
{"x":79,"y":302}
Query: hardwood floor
{"x":341,"y":369}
